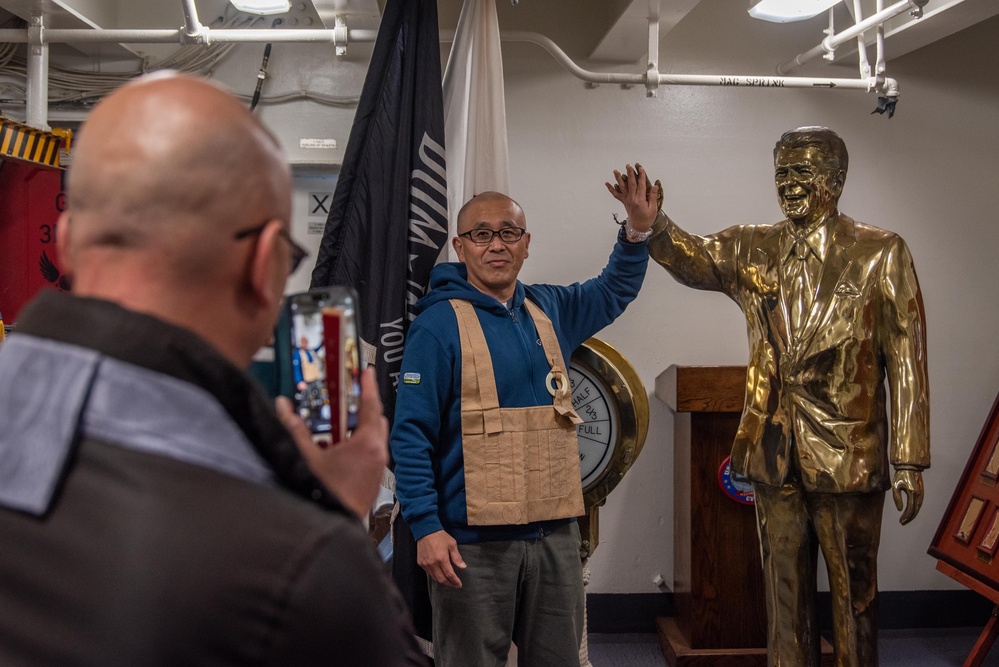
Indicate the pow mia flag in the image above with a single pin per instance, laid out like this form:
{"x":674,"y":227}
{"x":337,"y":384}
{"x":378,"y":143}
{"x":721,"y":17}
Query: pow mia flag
{"x":388,"y":217}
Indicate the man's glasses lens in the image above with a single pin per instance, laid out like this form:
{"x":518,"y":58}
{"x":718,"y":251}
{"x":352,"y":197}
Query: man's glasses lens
{"x":485,"y":236}
{"x":298,"y":253}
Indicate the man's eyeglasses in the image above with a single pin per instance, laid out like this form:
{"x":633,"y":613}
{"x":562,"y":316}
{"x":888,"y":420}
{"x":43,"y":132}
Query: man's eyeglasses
{"x":509,"y":235}
{"x":298,"y":253}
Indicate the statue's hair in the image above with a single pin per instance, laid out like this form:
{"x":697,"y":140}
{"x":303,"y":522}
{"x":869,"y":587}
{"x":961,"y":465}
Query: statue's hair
{"x":826,"y":140}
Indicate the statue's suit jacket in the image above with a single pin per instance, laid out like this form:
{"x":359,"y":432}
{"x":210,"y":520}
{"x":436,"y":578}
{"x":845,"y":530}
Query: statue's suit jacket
{"x":825,"y":384}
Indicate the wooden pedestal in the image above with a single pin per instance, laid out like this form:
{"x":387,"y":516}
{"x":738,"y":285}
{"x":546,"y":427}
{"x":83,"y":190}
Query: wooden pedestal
{"x":718,"y":575}
{"x":719,"y":600}
{"x":677,"y":650}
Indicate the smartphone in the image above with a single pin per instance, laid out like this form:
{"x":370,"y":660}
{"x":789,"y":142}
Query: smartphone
{"x":319,"y":359}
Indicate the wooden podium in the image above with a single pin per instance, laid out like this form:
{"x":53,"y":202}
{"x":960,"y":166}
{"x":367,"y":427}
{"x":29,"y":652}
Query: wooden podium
{"x":721,"y":616}
{"x":718,"y":575}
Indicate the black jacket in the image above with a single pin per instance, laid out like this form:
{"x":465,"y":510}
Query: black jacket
{"x":153,"y":511}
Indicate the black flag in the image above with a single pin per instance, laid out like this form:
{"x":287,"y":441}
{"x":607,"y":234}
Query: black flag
{"x":388,"y":218}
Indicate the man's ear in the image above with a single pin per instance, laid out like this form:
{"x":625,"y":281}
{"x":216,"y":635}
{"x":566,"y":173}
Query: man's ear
{"x":527,"y":244}
{"x":62,"y":244}
{"x":265,"y":262}
{"x":458,"y":248}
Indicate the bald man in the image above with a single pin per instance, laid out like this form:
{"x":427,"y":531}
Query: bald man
{"x":155,"y":508}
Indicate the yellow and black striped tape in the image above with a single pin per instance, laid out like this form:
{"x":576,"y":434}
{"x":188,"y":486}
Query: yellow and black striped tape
{"x":23,"y":142}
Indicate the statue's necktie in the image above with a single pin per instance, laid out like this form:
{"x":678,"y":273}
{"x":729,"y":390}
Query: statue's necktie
{"x":800,"y":285}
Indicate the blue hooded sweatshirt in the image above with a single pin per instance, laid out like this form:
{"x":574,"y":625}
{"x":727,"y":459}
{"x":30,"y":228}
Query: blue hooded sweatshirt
{"x":426,"y":434}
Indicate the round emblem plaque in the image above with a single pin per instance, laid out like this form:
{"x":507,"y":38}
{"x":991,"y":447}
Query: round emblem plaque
{"x":735,"y":486}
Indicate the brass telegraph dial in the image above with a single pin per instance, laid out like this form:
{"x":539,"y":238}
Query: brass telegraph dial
{"x":611,"y":399}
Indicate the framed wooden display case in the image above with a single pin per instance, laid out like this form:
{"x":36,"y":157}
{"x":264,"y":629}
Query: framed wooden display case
{"x":967,"y":539}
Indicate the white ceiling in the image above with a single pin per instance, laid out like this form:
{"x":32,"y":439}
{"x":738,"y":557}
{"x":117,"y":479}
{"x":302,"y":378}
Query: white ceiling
{"x":626,"y":40}
{"x":589,"y":31}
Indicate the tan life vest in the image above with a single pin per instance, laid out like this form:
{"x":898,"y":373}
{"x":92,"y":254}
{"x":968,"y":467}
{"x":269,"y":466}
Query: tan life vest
{"x":521,"y":464}
{"x":309,"y":363}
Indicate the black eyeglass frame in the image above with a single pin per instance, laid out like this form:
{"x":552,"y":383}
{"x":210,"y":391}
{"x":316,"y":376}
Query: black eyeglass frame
{"x":298,"y":253}
{"x":493,"y":233}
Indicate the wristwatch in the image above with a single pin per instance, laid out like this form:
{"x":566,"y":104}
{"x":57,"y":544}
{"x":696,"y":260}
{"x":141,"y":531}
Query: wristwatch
{"x":633,"y":235}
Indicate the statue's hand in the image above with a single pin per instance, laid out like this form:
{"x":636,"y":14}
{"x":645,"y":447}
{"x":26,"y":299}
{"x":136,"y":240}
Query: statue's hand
{"x":909,"y":482}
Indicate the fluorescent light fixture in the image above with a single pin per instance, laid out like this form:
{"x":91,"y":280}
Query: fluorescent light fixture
{"x":786,"y":11}
{"x":262,"y":7}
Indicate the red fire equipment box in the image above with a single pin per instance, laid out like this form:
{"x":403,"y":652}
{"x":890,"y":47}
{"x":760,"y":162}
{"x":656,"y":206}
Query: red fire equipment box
{"x":31,"y":198}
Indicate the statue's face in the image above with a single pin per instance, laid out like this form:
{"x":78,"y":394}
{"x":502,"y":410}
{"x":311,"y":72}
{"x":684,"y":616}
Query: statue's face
{"x":807,"y":189}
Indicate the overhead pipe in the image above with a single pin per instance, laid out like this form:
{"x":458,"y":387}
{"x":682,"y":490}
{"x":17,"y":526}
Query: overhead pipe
{"x":681,"y":79}
{"x":192,"y":24}
{"x":247,"y":35}
{"x":36,"y":104}
{"x":207,"y":36}
{"x":831,"y":42}
{"x":865,"y":65}
{"x":652,"y":67}
{"x":880,"y":67}
{"x":194,"y":32}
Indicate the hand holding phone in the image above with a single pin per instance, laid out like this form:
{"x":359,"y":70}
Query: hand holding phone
{"x":320,"y":365}
{"x":352,"y":470}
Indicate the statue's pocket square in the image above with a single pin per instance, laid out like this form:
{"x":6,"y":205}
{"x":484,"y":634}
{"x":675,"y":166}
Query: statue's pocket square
{"x":846,"y":289}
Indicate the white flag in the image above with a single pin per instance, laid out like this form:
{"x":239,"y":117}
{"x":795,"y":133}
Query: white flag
{"x":475,"y":109}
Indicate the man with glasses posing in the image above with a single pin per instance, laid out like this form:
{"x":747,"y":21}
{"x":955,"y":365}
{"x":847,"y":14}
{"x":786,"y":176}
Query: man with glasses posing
{"x":155,"y":509}
{"x":484,"y":440}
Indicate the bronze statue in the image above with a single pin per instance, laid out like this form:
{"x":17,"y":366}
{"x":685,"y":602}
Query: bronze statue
{"x":833,"y":309}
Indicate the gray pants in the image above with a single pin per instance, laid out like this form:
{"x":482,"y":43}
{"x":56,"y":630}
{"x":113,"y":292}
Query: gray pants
{"x":527,"y":591}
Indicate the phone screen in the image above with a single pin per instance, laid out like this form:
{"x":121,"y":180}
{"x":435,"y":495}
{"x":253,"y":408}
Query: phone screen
{"x":324,"y":360}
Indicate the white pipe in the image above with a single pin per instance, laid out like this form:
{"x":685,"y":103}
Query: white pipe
{"x":865,"y":65}
{"x":765,"y":81}
{"x":192,"y":23}
{"x":652,"y":69}
{"x":684,"y":79}
{"x":331,"y":36}
{"x":37,"y":95}
{"x":831,"y":30}
{"x":208,"y":36}
{"x":858,"y":29}
{"x":294,"y":35}
{"x":565,"y":60}
{"x":830,"y":43}
{"x":87,"y":36}
{"x":880,"y":63}
{"x":559,"y":55}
